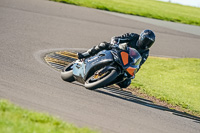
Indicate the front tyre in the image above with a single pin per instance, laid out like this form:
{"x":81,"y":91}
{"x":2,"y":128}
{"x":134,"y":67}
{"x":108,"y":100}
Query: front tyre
{"x":125,"y":83}
{"x":98,"y":81}
{"x":67,"y":73}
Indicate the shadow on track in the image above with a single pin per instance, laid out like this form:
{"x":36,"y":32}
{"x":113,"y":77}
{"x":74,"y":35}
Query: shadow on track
{"x":128,"y":96}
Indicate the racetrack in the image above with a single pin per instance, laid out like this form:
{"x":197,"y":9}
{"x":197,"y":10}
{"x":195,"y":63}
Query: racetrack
{"x":30,"y":29}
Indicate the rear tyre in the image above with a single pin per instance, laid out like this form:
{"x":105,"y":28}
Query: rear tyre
{"x":67,"y":73}
{"x":95,"y":82}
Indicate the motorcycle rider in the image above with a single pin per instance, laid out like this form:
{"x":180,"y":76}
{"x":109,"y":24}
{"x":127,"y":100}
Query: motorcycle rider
{"x":141,"y":43}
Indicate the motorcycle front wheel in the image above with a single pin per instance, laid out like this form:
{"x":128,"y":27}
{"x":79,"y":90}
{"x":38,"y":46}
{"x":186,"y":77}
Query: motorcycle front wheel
{"x":98,"y":81}
{"x":67,"y":73}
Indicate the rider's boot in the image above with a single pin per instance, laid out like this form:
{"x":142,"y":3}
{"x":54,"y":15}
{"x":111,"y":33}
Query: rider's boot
{"x":90,"y":52}
{"x":83,"y":55}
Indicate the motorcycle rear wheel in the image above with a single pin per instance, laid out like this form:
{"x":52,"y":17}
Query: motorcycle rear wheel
{"x":95,"y":82}
{"x":67,"y":73}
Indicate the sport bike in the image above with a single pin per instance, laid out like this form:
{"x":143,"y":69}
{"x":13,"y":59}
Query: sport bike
{"x":103,"y":69}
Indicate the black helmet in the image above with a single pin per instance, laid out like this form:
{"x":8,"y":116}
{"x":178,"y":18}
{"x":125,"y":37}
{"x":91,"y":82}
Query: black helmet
{"x":146,"y":39}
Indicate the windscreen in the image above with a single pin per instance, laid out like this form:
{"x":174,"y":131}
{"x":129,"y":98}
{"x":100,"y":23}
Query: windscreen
{"x":136,"y":57}
{"x":133,"y":53}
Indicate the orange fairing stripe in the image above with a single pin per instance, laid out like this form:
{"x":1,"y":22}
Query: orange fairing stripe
{"x":124,"y":56}
{"x":131,"y":71}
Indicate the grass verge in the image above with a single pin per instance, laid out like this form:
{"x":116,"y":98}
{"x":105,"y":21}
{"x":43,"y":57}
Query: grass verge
{"x":14,"y":119}
{"x":146,"y":8}
{"x":175,"y":81}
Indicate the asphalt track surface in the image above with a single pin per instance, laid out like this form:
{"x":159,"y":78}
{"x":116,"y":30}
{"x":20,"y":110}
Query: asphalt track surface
{"x":31,"y":28}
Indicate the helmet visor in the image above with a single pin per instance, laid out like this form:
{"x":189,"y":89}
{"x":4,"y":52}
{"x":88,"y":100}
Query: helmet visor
{"x":145,"y":42}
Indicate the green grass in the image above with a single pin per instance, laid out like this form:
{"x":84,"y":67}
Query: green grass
{"x":176,"y":81}
{"x":14,"y":119}
{"x":147,"y":8}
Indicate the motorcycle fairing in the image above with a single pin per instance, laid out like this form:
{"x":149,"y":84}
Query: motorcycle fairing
{"x":85,"y":69}
{"x":126,"y":62}
{"x":124,"y":56}
{"x":131,"y":71}
{"x":97,"y":62}
{"x":79,"y":71}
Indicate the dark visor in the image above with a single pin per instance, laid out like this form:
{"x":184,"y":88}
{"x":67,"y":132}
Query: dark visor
{"x":145,"y":43}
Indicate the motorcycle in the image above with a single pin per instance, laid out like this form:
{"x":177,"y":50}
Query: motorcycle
{"x":103,"y":69}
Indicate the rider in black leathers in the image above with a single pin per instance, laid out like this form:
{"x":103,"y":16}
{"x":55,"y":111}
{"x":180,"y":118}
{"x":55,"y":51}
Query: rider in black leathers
{"x":141,"y":43}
